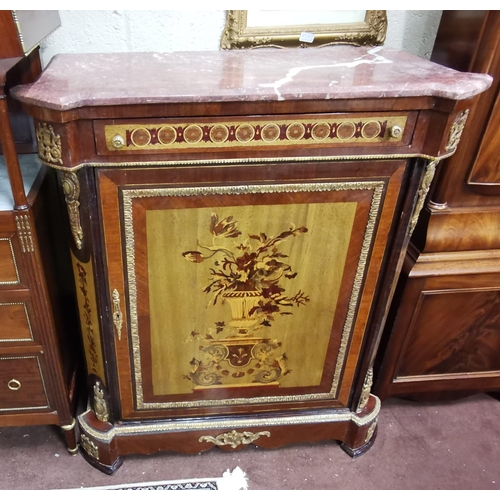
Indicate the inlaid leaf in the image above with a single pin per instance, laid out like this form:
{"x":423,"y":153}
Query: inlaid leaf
{"x":193,"y":256}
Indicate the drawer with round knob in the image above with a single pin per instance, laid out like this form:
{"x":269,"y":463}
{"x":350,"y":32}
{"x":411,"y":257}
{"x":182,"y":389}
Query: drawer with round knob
{"x":22,"y":384}
{"x":161,"y":136}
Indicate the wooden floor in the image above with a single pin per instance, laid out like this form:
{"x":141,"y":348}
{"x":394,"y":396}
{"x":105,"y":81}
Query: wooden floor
{"x":445,"y":446}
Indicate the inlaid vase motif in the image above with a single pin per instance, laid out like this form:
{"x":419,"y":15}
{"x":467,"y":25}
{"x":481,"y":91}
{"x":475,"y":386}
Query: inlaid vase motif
{"x":250,"y":277}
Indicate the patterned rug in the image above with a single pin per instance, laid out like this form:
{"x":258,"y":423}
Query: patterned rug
{"x":230,"y":481}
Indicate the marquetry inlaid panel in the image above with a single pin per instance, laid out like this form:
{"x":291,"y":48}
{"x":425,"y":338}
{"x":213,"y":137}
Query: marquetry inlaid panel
{"x":235,"y":278}
{"x":89,"y":316}
{"x":258,"y":282}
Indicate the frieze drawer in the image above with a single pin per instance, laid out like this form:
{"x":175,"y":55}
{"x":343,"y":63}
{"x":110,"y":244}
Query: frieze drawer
{"x":22,"y":385}
{"x":162,"y":136}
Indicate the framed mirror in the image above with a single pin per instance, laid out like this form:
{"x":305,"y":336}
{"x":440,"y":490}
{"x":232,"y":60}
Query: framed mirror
{"x":247,"y":29}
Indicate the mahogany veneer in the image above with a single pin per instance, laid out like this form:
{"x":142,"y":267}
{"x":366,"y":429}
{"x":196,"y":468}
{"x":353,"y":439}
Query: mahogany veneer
{"x":237,"y":222}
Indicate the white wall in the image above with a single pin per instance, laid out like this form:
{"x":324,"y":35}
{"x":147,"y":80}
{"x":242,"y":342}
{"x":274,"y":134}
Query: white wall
{"x":413,"y":31}
{"x":170,"y":30}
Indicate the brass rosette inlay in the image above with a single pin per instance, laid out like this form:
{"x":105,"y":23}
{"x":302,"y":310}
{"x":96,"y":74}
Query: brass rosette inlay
{"x":140,"y":137}
{"x":219,"y":133}
{"x":295,"y":131}
{"x":167,"y":135}
{"x":320,"y":131}
{"x":371,"y":129}
{"x":260,"y":133}
{"x":245,"y":133}
{"x":270,"y":132}
{"x":346,"y":130}
{"x":193,"y":134}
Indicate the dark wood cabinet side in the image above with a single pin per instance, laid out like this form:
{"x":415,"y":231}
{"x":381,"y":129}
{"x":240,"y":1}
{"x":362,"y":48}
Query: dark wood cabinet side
{"x":440,"y":340}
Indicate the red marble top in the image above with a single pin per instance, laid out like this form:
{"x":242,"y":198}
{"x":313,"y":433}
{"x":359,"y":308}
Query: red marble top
{"x":336,"y":72}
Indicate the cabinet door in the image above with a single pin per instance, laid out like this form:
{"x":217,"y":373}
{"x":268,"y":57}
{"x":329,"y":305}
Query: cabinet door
{"x":243,"y":288}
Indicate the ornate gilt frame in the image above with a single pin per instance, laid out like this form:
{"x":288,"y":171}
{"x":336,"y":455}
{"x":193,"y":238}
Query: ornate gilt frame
{"x":237,"y":34}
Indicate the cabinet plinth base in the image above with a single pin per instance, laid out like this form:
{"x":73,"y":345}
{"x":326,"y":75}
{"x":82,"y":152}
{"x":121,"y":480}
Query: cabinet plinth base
{"x":103,"y":444}
{"x":357,"y":452}
{"x":107,"y":469}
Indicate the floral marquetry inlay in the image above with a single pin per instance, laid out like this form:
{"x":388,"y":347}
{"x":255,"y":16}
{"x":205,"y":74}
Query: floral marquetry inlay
{"x":249,"y":274}
{"x":243,"y":287}
{"x":258,"y":133}
{"x":91,"y":351}
{"x":89,"y":317}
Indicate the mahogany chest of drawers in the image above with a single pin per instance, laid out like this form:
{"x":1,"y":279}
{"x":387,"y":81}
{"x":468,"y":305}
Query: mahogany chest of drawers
{"x":38,"y":337}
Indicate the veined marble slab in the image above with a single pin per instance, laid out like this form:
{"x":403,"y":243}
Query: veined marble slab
{"x":337,"y":72}
{"x":30,"y":166}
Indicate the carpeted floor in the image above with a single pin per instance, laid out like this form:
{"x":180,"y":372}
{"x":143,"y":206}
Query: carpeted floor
{"x":439,"y":446}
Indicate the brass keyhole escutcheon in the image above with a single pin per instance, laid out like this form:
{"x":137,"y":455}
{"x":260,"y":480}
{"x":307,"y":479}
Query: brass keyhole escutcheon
{"x":117,"y":314}
{"x":14,"y":385}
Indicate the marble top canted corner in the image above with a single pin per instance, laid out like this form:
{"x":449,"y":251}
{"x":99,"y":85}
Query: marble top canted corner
{"x":337,"y":72}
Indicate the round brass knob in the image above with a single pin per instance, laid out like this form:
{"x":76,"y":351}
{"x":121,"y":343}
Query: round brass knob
{"x":118,"y":141}
{"x":396,"y":131}
{"x":14,"y":385}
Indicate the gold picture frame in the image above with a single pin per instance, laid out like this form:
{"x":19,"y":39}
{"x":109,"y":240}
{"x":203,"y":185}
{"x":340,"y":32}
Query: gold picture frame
{"x":247,"y":29}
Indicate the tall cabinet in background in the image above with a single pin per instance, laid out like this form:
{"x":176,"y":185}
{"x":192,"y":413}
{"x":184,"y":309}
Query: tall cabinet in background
{"x":443,"y":339}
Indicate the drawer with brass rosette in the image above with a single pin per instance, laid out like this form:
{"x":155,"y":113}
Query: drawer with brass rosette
{"x":334,"y":130}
